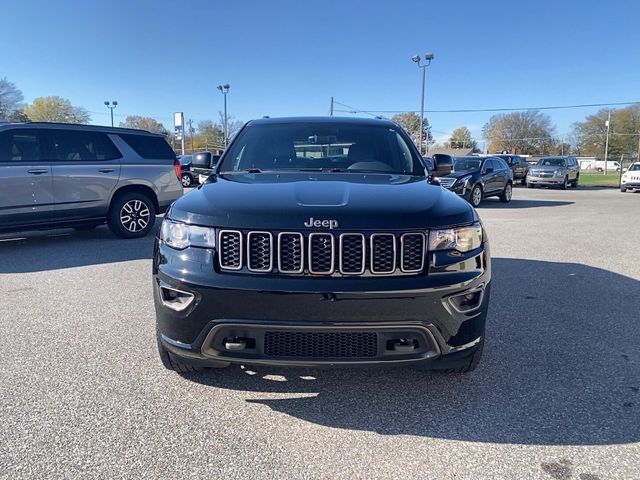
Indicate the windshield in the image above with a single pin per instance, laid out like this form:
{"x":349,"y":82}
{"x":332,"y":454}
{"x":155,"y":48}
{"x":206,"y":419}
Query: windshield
{"x":321,"y":146}
{"x":552,"y":162}
{"x":466,"y":164}
{"x":635,"y":167}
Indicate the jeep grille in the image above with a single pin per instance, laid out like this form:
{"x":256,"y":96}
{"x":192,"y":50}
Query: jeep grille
{"x":322,"y":253}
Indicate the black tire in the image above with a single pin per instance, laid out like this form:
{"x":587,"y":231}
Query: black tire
{"x":507,"y":193}
{"x":523,"y":181}
{"x":623,"y":190}
{"x":565,"y":184}
{"x":187,"y":180}
{"x":472,"y":362}
{"x":170,"y":363}
{"x":139,"y":222}
{"x":574,"y":184}
{"x":530,"y":185}
{"x":475,"y":196}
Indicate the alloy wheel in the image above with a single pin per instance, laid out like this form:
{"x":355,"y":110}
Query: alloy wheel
{"x":134,"y":215}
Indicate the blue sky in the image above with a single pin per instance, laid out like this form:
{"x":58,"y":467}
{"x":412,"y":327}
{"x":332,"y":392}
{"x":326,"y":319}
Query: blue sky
{"x":289,"y":57}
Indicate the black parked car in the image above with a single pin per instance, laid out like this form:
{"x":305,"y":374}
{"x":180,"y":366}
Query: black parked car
{"x":475,"y":178}
{"x":519,"y":166}
{"x":203,"y":164}
{"x":289,"y":256}
{"x":188,"y":177}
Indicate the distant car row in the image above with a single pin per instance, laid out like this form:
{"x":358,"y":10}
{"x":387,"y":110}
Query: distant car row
{"x":476,"y":177}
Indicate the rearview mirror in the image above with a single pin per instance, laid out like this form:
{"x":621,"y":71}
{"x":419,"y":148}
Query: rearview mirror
{"x":442,"y":164}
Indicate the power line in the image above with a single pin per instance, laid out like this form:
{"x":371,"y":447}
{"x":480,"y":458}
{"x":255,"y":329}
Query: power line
{"x":477,"y":110}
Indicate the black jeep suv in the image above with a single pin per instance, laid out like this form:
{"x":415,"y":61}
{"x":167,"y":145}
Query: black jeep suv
{"x":321,"y":241}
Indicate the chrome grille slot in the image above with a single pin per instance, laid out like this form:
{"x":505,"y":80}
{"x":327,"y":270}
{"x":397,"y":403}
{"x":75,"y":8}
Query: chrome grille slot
{"x":260,"y":251}
{"x":383,"y":253}
{"x":353,"y":251}
{"x":230,"y":249}
{"x":321,"y":253}
{"x":290,"y":252}
{"x":412,"y":252}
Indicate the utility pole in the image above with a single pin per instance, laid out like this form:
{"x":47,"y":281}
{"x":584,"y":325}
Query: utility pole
{"x":331,"y":108}
{"x":606,"y":145}
{"x":224,"y":89}
{"x":191,"y":133}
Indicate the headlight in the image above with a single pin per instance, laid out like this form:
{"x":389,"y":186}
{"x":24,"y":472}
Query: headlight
{"x":559,"y":173}
{"x":462,"y":239}
{"x":464,"y":179}
{"x":181,"y":235}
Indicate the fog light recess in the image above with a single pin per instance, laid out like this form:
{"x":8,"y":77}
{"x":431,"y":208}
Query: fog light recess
{"x":175,"y":299}
{"x":468,"y":301}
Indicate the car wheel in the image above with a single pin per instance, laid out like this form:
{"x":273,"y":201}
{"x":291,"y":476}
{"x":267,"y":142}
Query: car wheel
{"x":565,"y":184}
{"x":622,"y":189}
{"x":471,"y":364}
{"x":170,"y":363}
{"x":186,"y":180}
{"x":131,"y":215}
{"x":530,"y":185}
{"x":507,"y":193}
{"x":575,"y":182}
{"x":475,"y":196}
{"x":523,"y":181}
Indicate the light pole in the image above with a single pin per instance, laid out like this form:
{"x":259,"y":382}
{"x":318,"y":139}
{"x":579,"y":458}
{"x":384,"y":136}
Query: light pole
{"x":606,"y":145}
{"x":111,"y":106}
{"x":427,"y":59}
{"x":224,"y":89}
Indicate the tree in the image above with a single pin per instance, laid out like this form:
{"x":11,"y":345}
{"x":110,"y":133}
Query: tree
{"x":208,"y":136}
{"x":10,"y":99}
{"x":590,"y":135}
{"x":233,"y":125}
{"x":461,"y":138}
{"x":410,"y":121}
{"x":144,"y":123}
{"x":56,"y":109}
{"x":529,"y":133}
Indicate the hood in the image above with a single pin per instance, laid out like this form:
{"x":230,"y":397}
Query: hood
{"x":282,"y":201}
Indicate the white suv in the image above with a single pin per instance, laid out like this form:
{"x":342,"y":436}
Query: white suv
{"x":631,"y":178}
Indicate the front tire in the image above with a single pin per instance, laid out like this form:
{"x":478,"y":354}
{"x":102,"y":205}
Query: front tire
{"x":623,"y":189}
{"x":565,"y":184}
{"x":475,"y":196}
{"x":171,"y":363}
{"x":471,"y":364}
{"x":132,"y":215}
{"x":186,"y":180}
{"x":507,"y":193}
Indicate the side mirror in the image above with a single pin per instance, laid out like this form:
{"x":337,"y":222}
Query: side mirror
{"x":442,"y":164}
{"x":488,"y":170}
{"x":624,"y":169}
{"x":201,"y":160}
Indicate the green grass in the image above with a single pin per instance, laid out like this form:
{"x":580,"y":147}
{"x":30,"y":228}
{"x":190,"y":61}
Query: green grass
{"x":600,"y":179}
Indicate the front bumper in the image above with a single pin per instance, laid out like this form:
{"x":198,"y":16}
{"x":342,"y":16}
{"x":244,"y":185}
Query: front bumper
{"x":409,"y":318}
{"x":631,"y":184}
{"x":545,"y":180}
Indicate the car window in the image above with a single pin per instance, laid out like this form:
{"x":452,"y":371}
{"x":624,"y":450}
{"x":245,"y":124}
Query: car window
{"x":76,"y":146}
{"x":462,"y":164}
{"x":635,"y":167}
{"x":23,"y":145}
{"x":322,"y":146}
{"x":149,"y":147}
{"x":552,"y":162}
{"x":499,"y":164}
{"x":488,"y":163}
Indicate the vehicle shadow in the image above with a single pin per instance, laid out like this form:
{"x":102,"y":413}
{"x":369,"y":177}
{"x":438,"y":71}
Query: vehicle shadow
{"x":516,"y":203}
{"x":66,"y":248}
{"x":561,"y":367}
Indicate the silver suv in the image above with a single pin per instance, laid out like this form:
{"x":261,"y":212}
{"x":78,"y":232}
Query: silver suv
{"x":58,"y":175}
{"x":554,"y":171}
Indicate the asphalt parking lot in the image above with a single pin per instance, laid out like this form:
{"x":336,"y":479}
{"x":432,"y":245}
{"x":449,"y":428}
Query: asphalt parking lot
{"x":557,"y":396}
